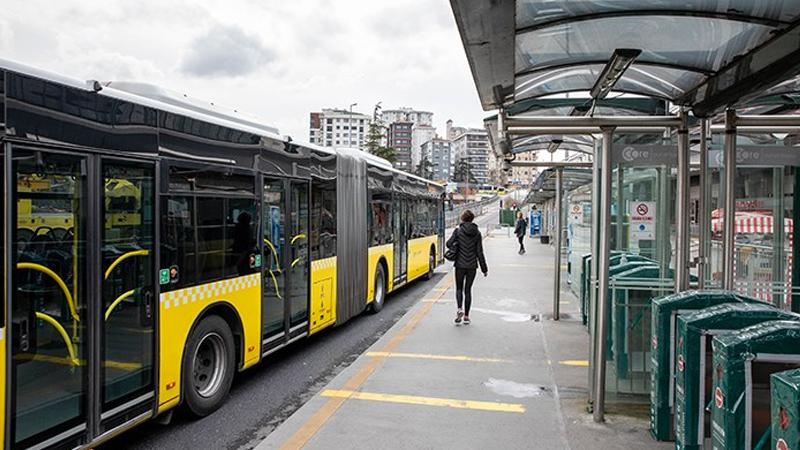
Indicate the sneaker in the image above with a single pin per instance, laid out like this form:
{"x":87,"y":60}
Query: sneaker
{"x":459,"y":315}
{"x":466,"y":320}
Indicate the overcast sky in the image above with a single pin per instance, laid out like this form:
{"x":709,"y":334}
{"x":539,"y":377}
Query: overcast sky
{"x":275,"y":59}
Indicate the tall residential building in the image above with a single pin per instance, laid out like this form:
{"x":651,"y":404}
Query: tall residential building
{"x":523,"y":176}
{"x":338,"y":128}
{"x":422,"y":130}
{"x":420,"y":134}
{"x":437,"y":152}
{"x":472,"y":145}
{"x":399,"y":138}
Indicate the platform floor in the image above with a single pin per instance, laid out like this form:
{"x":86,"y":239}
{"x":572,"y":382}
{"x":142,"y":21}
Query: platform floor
{"x":513,"y":379}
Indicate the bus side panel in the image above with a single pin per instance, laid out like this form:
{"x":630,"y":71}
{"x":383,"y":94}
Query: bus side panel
{"x":180,"y":309}
{"x":375,"y":254}
{"x":418,"y":252}
{"x":323,"y":294}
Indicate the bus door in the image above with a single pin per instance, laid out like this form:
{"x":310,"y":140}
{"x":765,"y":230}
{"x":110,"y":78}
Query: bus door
{"x":285,"y":263}
{"x":399,"y":219}
{"x":298,"y":270}
{"x":127,"y":307}
{"x":274,"y":261}
{"x":82,"y":341}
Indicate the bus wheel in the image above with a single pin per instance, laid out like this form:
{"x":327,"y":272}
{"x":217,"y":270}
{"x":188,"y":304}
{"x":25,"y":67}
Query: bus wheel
{"x":380,"y":289}
{"x":431,"y":265}
{"x":208,"y":366}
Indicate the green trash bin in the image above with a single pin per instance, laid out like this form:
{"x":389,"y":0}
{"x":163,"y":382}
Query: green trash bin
{"x":627,"y":269}
{"x":785,"y":387}
{"x":586,"y":277}
{"x":664,"y":312}
{"x":743,"y":363}
{"x":693,"y":362}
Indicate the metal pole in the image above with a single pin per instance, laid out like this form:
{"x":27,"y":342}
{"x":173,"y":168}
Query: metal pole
{"x":702,"y":204}
{"x":778,"y":239}
{"x":682,"y":219}
{"x":730,"y":200}
{"x":620,"y":228}
{"x":557,"y":278}
{"x":602,"y":274}
{"x":591,"y":304}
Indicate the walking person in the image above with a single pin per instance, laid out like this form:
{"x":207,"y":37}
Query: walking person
{"x":466,"y":247}
{"x":519,"y":230}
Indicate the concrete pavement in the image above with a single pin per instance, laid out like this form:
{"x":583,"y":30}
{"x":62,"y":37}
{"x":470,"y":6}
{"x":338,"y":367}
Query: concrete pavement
{"x":513,"y":379}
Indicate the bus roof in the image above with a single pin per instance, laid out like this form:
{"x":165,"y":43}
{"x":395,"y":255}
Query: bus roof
{"x":170,"y":101}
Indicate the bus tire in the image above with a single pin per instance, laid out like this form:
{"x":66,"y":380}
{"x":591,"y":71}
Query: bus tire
{"x":208,"y":366}
{"x":380,"y":289}
{"x":431,"y":265}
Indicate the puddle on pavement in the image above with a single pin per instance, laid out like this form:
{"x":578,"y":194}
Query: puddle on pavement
{"x":508,"y":316}
{"x":514,"y":389}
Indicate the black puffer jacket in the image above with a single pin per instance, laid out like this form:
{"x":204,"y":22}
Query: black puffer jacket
{"x":469,"y":247}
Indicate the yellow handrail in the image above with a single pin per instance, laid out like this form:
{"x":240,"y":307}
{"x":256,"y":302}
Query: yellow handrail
{"x":295,"y":262}
{"x":119,"y":260}
{"x":116,"y":302}
{"x":73,"y":358}
{"x":298,"y":237}
{"x":271,"y":273}
{"x":40,"y":268}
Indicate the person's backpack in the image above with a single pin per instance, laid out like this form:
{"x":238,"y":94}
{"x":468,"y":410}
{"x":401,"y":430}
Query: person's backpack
{"x":452,"y":252}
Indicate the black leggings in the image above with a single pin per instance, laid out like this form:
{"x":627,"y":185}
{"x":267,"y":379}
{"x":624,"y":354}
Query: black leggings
{"x":521,"y":239}
{"x":464,"y":280}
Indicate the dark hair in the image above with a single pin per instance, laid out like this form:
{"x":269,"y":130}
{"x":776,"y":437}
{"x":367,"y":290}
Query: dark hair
{"x":467,"y":216}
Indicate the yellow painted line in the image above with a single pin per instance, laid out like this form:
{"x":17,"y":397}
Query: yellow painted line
{"x":439,"y":357}
{"x":301,"y":437}
{"x":426,"y":401}
{"x":575,"y":362}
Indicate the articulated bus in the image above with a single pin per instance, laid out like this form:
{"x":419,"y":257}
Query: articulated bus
{"x":152,"y":246}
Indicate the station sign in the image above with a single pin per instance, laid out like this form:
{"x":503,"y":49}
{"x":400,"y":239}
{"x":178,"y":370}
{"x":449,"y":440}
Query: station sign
{"x":644,"y":155}
{"x":756,"y":156}
{"x":576,"y":213}
{"x":643,"y":221}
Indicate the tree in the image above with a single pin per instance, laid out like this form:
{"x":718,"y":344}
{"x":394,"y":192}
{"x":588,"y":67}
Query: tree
{"x":374,"y":138}
{"x":424,"y":168}
{"x":463,"y":172}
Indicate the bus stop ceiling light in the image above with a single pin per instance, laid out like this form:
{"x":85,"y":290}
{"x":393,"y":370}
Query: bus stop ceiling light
{"x":553,"y":146}
{"x":612,"y":72}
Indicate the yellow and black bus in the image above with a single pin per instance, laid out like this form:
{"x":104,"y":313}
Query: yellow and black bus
{"x":152,"y":246}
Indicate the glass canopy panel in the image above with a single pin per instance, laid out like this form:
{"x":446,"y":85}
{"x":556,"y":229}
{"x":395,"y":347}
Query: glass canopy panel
{"x":641,"y":79}
{"x":696,"y":43}
{"x":538,"y":12}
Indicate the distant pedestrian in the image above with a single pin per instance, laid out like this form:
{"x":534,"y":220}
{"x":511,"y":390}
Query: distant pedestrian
{"x":519,"y":230}
{"x":467,"y":244}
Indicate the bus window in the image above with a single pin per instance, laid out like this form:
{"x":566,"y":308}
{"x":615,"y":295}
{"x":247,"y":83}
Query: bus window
{"x":177,"y":242}
{"x":380,"y":219}
{"x":323,"y":217}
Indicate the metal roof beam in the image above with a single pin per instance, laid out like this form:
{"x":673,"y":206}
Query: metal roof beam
{"x":557,"y":164}
{"x":487,"y":33}
{"x":596,"y":121}
{"x":748,"y":76}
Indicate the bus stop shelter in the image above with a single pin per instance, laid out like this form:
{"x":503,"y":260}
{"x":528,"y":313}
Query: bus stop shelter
{"x":710,"y":64}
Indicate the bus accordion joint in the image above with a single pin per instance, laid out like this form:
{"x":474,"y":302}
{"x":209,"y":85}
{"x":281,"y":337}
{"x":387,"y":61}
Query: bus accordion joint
{"x":73,"y":357}
{"x":40,"y":268}
{"x":125,"y":256}
{"x":117,"y":302}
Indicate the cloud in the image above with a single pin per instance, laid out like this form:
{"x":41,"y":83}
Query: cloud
{"x":225,"y":51}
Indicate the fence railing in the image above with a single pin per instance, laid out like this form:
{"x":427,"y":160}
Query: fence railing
{"x":451,"y":217}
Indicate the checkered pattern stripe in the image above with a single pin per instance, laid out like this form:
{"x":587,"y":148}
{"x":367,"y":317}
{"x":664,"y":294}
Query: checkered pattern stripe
{"x":327,"y":263}
{"x":207,"y":292}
